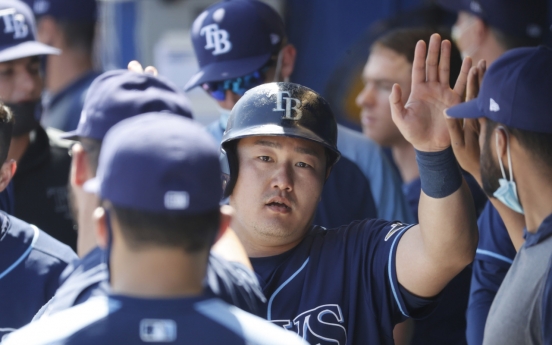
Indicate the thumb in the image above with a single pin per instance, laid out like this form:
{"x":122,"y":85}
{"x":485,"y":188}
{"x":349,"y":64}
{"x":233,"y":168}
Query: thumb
{"x":397,"y":108}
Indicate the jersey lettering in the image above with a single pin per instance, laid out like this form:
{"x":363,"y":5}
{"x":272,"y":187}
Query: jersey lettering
{"x":291,"y":104}
{"x":216,"y":39}
{"x":321,"y":325}
{"x":14,"y":23}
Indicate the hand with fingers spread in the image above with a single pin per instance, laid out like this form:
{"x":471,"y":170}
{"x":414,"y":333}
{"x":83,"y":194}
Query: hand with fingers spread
{"x":464,"y":134}
{"x":421,"y":120}
{"x":136,"y":66}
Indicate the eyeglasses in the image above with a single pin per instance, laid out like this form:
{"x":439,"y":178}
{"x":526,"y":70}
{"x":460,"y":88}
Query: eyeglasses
{"x":238,"y":86}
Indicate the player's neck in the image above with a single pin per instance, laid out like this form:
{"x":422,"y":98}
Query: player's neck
{"x":405,"y":159}
{"x":64,"y":69}
{"x":156,"y":272}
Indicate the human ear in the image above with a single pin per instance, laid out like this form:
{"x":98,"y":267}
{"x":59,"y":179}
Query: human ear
{"x":101,"y":227}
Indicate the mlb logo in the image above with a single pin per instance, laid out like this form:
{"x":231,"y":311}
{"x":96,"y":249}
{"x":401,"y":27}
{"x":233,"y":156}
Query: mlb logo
{"x":157,"y":331}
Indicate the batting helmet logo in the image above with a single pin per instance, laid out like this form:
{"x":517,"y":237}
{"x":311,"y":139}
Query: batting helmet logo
{"x":291,"y":104}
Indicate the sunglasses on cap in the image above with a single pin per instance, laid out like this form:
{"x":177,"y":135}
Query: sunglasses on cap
{"x":239,"y":85}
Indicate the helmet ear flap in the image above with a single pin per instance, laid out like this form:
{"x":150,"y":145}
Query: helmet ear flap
{"x":229,"y":165}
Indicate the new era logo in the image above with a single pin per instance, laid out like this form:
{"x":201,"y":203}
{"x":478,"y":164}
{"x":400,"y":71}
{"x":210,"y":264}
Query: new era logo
{"x":476,"y":7}
{"x":494,"y":106}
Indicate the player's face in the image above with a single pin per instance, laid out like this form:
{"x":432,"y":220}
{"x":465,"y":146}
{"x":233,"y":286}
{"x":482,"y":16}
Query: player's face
{"x":20,"y":80}
{"x":384,"y":68}
{"x":464,"y":32}
{"x":278,"y":188}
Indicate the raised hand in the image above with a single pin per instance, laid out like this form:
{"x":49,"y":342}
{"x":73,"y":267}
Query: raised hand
{"x":464,"y":133}
{"x":135,"y":66}
{"x":421,"y":119}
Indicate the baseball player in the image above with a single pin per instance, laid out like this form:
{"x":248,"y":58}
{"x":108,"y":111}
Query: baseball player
{"x":348,"y":285}
{"x":240,"y":44}
{"x":30,"y":260}
{"x":484,"y":30}
{"x":515,"y":134}
{"x":115,"y":96}
{"x":40,"y":185}
{"x":159,"y":182}
{"x":69,"y":26}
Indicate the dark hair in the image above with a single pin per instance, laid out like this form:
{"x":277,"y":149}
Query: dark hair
{"x":403,"y":41}
{"x":92,"y":148}
{"x":79,"y":35}
{"x":192,"y":233}
{"x":6,"y":128}
{"x":510,"y":42}
{"x":538,"y":144}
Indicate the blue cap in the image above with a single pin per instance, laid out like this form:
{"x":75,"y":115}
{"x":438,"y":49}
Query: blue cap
{"x":159,"y":162}
{"x":18,"y":33}
{"x":516,"y":91}
{"x":69,"y":10}
{"x":234,"y":38}
{"x":521,"y":18}
{"x":119,"y":94}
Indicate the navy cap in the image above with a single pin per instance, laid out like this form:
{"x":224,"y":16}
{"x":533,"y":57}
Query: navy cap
{"x":159,"y":162}
{"x":516,"y":91}
{"x":18,"y":33}
{"x":234,"y":38}
{"x":521,"y":18}
{"x":119,"y":94}
{"x":69,"y":10}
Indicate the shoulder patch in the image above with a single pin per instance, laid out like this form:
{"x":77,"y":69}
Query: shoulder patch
{"x":395,"y":227}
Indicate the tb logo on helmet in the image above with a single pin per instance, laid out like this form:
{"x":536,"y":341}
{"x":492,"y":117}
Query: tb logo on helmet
{"x":289,"y":106}
{"x":14,"y":23}
{"x":216,"y":39}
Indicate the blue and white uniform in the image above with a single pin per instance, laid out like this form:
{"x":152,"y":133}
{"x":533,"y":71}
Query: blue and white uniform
{"x":88,"y":277}
{"x":31,"y":263}
{"x":126,"y":320}
{"x":339,"y":286}
{"x":494,"y":256}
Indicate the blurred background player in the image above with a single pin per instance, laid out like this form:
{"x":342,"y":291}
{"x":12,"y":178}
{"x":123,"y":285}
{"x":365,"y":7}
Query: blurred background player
{"x":113,"y":97}
{"x":390,"y":62}
{"x":252,"y":50}
{"x":513,"y":163}
{"x":484,"y":30}
{"x":69,"y":26}
{"x":159,"y":182}
{"x":30,"y":260}
{"x":40,"y":185}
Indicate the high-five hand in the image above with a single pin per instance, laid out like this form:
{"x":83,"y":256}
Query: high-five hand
{"x":421,"y":119}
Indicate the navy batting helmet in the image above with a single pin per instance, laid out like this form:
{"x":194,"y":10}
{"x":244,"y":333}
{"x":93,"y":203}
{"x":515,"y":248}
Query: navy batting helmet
{"x":278,"y":109}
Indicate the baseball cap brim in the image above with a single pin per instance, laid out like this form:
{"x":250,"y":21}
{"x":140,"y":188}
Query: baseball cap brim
{"x":26,"y":49}
{"x":466,"y":110}
{"x":219,"y":71}
{"x":92,"y":186}
{"x":278,"y":130}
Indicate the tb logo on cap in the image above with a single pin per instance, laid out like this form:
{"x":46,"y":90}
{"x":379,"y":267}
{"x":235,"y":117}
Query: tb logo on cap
{"x":289,"y":106}
{"x":217,"y":39}
{"x":14,"y":23}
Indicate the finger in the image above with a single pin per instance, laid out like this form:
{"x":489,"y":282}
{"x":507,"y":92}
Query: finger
{"x":482,"y":68}
{"x":472,"y":88}
{"x":418,"y":66}
{"x":135,"y":66}
{"x":151,"y":70}
{"x":462,"y":80}
{"x":397,"y":107}
{"x":444,"y":63}
{"x":472,"y":126}
{"x":456,"y":131}
{"x":432,"y":61}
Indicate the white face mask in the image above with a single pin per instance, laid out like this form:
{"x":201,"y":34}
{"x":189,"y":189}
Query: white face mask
{"x":456,"y":34}
{"x":507,"y":192}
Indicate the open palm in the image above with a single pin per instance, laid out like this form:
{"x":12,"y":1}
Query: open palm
{"x":421,"y":119}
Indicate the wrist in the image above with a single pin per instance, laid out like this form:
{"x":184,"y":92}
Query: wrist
{"x":440,"y":174}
